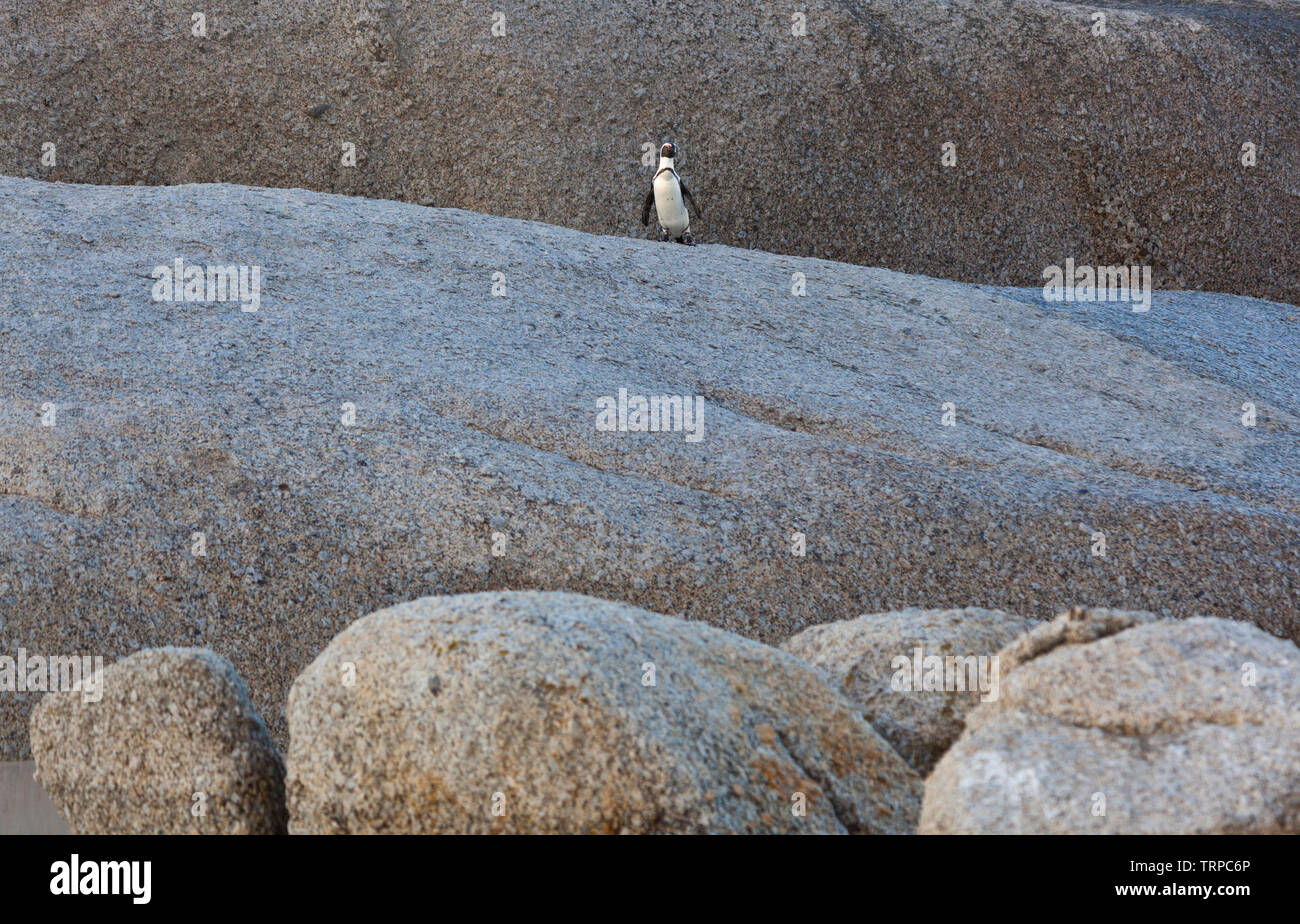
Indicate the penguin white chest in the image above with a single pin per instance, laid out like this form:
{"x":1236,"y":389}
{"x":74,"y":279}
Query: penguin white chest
{"x":669,"y":204}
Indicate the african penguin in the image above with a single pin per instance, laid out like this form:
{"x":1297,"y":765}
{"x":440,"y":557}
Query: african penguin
{"x":669,"y":196}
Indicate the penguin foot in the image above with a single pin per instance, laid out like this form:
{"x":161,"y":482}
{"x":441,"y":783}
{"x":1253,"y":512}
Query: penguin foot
{"x":688,"y":239}
{"x":664,"y":235}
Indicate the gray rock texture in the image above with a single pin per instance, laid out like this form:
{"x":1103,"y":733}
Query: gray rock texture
{"x":1170,"y":727}
{"x":1123,"y":147}
{"x":857,"y":656}
{"x":474,"y":461}
{"x":172,"y":747}
{"x":1243,"y":342}
{"x":531,"y":712}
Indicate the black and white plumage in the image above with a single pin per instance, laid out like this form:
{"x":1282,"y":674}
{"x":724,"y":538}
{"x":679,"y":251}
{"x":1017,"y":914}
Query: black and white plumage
{"x":669,"y":195}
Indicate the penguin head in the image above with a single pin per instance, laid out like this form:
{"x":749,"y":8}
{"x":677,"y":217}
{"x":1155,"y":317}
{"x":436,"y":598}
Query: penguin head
{"x":669,"y":150}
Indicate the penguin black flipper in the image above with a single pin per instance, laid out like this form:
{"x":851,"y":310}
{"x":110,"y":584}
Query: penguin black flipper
{"x":686,"y":193}
{"x":645,"y":210}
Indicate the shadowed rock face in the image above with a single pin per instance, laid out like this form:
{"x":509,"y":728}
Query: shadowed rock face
{"x":1117,"y":148}
{"x":476,"y":430}
{"x":859,"y":657}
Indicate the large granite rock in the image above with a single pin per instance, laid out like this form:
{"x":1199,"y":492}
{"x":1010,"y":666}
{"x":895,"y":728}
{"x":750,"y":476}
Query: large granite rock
{"x":556,"y":713}
{"x":168,"y":745}
{"x":1122,"y":147}
{"x":885,"y":664}
{"x":199,"y":482}
{"x":1167,"y":728}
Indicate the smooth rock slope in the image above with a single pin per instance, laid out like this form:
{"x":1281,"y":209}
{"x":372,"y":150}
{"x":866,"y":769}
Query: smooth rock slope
{"x":1113,"y":142}
{"x":533,"y":713}
{"x":384,"y":427}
